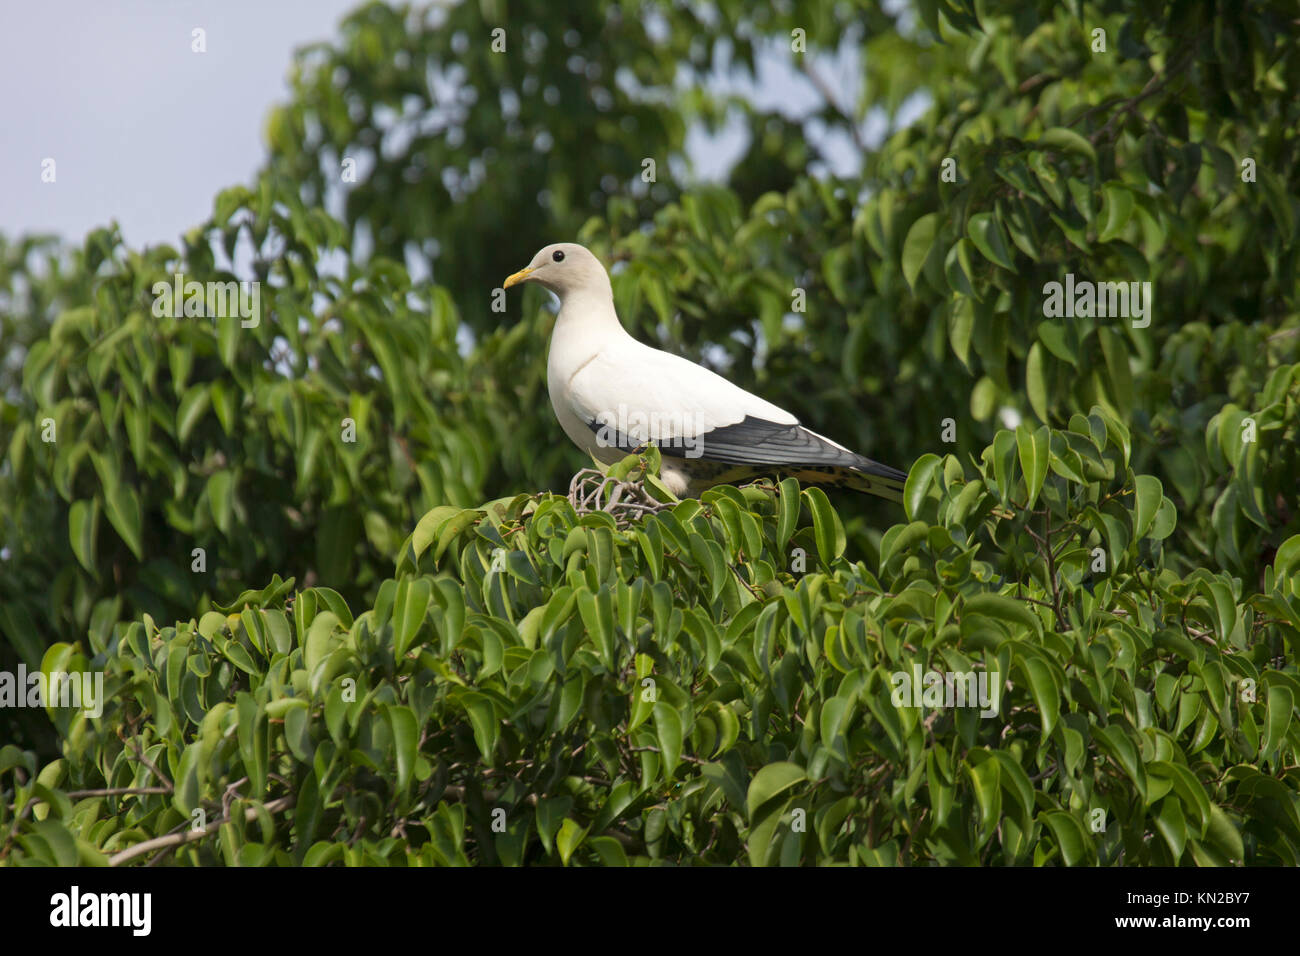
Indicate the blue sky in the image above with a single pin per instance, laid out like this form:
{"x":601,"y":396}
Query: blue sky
{"x":141,"y":128}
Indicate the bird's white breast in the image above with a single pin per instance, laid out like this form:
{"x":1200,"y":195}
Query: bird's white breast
{"x":569,"y":353}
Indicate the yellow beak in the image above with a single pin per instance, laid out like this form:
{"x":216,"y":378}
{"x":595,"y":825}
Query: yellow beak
{"x":517,"y":278}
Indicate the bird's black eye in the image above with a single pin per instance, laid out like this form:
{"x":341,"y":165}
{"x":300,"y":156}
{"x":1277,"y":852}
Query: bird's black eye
{"x":557,"y":255}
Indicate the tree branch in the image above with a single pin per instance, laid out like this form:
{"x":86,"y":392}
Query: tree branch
{"x":179,"y":839}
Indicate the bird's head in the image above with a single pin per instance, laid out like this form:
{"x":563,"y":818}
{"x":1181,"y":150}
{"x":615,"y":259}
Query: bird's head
{"x":562,"y":268}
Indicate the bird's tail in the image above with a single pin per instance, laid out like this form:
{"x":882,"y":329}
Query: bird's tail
{"x":879,"y":480}
{"x":870,"y":477}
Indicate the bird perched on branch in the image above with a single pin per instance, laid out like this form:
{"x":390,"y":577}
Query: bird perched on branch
{"x":613,"y":395}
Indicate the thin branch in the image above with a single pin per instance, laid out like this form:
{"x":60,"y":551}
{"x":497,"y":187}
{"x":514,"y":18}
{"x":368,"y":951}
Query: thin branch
{"x":114,"y":792}
{"x":1051,"y":571}
{"x":654,"y":750}
{"x":180,"y":839}
{"x":1154,"y":86}
{"x":829,"y":96}
{"x":139,"y":754}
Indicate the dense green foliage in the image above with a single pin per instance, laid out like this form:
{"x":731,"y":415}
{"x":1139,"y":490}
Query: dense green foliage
{"x":1104,"y":513}
{"x":673,"y":692}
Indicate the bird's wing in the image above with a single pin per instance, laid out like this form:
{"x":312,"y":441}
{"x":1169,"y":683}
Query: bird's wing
{"x":640,"y":394}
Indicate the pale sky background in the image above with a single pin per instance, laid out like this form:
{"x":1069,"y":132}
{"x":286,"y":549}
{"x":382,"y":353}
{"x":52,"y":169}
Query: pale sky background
{"x":146,"y":131}
{"x":141,"y":128}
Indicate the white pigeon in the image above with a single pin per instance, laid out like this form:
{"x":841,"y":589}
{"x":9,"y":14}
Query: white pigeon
{"x":613,"y":395}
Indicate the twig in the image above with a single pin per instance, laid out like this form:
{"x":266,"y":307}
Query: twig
{"x":626,"y":501}
{"x":1051,"y":571}
{"x":654,"y":750}
{"x":139,"y":754}
{"x":180,"y":839}
{"x":829,"y":96}
{"x":231,"y":793}
{"x":1154,"y":86}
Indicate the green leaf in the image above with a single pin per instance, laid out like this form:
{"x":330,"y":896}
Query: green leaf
{"x":83,"y":531}
{"x":1172,"y":825}
{"x":1186,"y":785}
{"x":597,"y":611}
{"x":1059,"y":340}
{"x":988,"y":791}
{"x":1147,"y":497}
{"x":1004,"y":457}
{"x":320,"y":638}
{"x":1003,"y":608}
{"x":122,"y":505}
{"x":191,"y":409}
{"x":1115,"y":352}
{"x":1043,"y":687}
{"x":220,"y":492}
{"x":957,"y":268}
{"x":1036,"y":381}
{"x":1069,"y":835}
{"x":1068,"y":141}
{"x":827,"y":527}
{"x":983,"y":399}
{"x":917,"y":246}
{"x":426,"y":529}
{"x":1116,"y":743}
{"x":961,"y":324}
{"x":1119,"y":207}
{"x":1035,"y":455}
{"x":409,"y":610}
{"x":1286,"y":562}
{"x":772,"y":780}
{"x":1225,"y":606}
{"x":668,"y":728}
{"x":1223,"y":833}
{"x":569,"y":839}
{"x":761,"y":834}
{"x":918,"y":483}
{"x":406,"y":736}
{"x":609,"y":850}
{"x":483,"y":719}
{"x":986,"y":232}
{"x":832,"y":722}
{"x":1281,"y":703}
{"x":550,"y":815}
{"x":788,"y":512}
{"x":186,"y":797}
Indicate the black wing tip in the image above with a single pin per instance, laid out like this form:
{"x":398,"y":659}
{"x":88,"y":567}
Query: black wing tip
{"x":759,"y":443}
{"x":877,"y":470}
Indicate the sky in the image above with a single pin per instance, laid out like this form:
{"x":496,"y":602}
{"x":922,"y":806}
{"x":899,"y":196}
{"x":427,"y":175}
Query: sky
{"x":142,"y":128}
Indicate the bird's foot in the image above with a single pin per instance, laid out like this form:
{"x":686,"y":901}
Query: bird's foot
{"x":592,"y":491}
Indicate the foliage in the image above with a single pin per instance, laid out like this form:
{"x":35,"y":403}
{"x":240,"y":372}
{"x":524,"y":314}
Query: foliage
{"x":673,"y":692}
